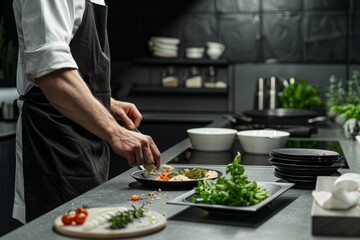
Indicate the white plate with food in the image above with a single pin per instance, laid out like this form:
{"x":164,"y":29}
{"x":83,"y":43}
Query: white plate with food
{"x":174,"y":178}
{"x":274,"y":189}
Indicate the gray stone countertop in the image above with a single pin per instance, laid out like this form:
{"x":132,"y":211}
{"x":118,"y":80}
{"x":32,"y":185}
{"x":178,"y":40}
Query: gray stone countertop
{"x":287,"y":217}
{"x":7,"y":128}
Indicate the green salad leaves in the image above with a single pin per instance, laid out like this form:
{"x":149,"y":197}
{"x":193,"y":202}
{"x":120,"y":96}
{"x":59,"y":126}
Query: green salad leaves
{"x":234,"y":191}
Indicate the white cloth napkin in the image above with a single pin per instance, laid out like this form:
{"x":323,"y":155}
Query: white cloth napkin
{"x":344,"y":194}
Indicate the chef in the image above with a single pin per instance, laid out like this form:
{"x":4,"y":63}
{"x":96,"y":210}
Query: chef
{"x":68,"y":119}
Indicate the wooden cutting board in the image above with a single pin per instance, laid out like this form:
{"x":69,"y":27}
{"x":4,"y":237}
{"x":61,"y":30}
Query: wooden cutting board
{"x":334,"y":222}
{"x":150,"y":223}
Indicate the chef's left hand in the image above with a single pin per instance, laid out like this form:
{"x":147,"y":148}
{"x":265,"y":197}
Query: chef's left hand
{"x":126,"y":113}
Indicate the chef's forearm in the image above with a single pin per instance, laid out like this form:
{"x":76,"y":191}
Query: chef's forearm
{"x":68,"y":93}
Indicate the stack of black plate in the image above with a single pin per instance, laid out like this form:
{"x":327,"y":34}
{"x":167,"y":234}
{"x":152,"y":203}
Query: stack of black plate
{"x":302,"y":165}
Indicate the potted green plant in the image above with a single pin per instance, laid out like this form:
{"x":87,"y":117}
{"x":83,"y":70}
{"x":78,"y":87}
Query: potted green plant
{"x":300,"y":95}
{"x":343,"y":98}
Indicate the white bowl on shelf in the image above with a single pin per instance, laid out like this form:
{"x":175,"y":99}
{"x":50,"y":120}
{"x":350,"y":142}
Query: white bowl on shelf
{"x":211,"y":139}
{"x":214,"y":50}
{"x":262,"y":141}
{"x":194,"y":52}
{"x":165,"y":40}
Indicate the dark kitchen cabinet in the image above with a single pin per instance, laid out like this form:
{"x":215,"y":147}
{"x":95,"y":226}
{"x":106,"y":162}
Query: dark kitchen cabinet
{"x":7,"y":179}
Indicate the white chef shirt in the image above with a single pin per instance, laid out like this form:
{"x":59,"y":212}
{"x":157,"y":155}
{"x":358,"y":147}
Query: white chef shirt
{"x":45,"y":29}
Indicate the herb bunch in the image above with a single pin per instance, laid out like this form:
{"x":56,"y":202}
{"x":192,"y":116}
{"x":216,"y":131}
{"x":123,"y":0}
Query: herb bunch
{"x":234,"y":191}
{"x":122,"y":219}
{"x":300,"y":95}
{"x":344,"y":98}
{"x":340,"y":93}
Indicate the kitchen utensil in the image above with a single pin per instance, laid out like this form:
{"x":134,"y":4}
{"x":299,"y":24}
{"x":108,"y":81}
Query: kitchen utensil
{"x":149,"y":181}
{"x":274,"y":190}
{"x":211,"y":139}
{"x":139,"y":227}
{"x":262,"y":141}
{"x":268,"y":92}
{"x":281,"y":116}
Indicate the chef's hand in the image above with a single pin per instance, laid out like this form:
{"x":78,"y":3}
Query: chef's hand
{"x":126,"y":113}
{"x":137,"y":148}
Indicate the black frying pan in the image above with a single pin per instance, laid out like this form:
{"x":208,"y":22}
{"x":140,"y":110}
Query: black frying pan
{"x":281,"y":116}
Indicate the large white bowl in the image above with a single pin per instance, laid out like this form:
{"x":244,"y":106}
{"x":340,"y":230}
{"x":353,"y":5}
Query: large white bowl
{"x":262,"y":141}
{"x":211,"y":139}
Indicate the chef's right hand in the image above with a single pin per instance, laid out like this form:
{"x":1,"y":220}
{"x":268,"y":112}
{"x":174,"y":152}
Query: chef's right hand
{"x":137,"y":148}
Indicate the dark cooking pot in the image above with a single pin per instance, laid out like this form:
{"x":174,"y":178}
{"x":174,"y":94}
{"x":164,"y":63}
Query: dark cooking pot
{"x":281,"y":116}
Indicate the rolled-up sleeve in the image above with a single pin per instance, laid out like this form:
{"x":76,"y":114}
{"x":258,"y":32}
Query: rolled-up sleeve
{"x":48,"y":27}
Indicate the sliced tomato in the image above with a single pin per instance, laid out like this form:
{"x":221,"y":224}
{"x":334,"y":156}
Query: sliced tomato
{"x":135,"y":197}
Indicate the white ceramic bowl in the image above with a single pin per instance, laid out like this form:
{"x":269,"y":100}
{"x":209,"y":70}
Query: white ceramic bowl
{"x":165,"y":40}
{"x":262,"y":141}
{"x":211,"y":139}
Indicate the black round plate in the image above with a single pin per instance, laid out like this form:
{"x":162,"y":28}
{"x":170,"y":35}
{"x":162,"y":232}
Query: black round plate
{"x":304,"y":153}
{"x":306,"y":170}
{"x":285,"y":175}
{"x":148,"y":180}
{"x":305,"y":162}
{"x":297,"y":181}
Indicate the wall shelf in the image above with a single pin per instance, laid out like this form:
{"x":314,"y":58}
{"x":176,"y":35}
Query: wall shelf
{"x":152,"y":89}
{"x":180,"y":61}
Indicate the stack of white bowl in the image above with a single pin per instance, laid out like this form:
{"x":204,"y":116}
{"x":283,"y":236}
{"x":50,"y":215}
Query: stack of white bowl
{"x":164,"y":47}
{"x":194,"y":52}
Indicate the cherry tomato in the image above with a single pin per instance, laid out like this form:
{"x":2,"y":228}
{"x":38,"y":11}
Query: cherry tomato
{"x":135,"y":197}
{"x":80,"y":218}
{"x":81,"y":210}
{"x":67,"y":219}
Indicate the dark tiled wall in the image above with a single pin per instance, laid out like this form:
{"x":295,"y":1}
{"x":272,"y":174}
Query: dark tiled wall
{"x":254,"y":31}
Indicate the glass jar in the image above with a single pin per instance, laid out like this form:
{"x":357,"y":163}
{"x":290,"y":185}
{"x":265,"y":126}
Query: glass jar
{"x":170,"y":78}
{"x":210,"y":77}
{"x":193,"y":78}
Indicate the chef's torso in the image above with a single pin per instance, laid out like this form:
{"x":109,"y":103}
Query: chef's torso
{"x":50,"y":36}
{"x":44,"y":47}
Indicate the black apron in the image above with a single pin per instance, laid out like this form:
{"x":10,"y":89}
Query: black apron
{"x":61,"y":159}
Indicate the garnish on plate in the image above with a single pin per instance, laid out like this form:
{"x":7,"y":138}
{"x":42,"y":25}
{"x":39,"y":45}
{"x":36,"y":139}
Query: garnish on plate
{"x":170,"y":174}
{"x":78,"y":216}
{"x":122,"y":219}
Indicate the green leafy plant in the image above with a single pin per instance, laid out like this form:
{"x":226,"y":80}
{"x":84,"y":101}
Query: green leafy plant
{"x":234,"y":191}
{"x":301,"y":95}
{"x":343,"y":98}
{"x":7,"y":55}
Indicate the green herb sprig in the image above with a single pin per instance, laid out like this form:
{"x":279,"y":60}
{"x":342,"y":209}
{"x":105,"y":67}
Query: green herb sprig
{"x":122,"y":219}
{"x":234,"y":191}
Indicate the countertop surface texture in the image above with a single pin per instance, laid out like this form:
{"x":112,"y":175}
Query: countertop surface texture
{"x":7,"y":128}
{"x":287,"y":217}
